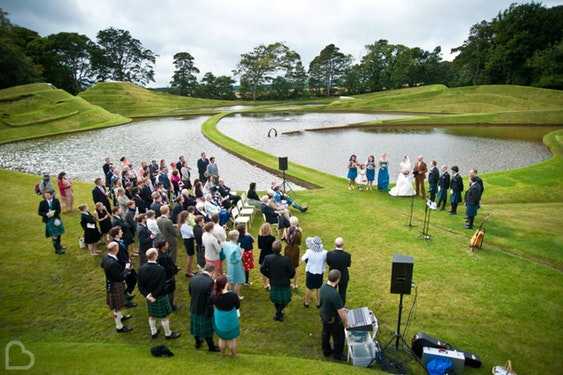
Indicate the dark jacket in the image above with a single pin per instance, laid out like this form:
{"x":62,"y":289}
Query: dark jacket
{"x":200,"y":289}
{"x":152,"y":280}
{"x":278,"y":269}
{"x":339,"y":260}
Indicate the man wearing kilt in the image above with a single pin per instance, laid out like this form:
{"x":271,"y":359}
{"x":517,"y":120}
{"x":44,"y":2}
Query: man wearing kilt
{"x":472,"y":198}
{"x":444,"y":185}
{"x":457,"y":188}
{"x":50,"y":211}
{"x":152,"y":285}
{"x":115,"y":286}
{"x":201,"y":320}
{"x":280,"y":271}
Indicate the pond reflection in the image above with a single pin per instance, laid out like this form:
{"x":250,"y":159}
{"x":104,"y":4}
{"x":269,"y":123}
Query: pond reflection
{"x":486,"y":148}
{"x":81,"y":155}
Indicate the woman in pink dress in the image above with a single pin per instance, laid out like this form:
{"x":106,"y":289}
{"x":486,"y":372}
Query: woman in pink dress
{"x":65,"y":188}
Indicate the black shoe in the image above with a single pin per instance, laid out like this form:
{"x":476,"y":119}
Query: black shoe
{"x":59,"y":251}
{"x":340,"y":357}
{"x":126,"y":317}
{"x":442,"y":209}
{"x":468,"y":226}
{"x":130,"y":304}
{"x":278,"y":318}
{"x":156,"y":334}
{"x":214,"y":349}
{"x":123,"y":329}
{"x":198,"y":343}
{"x":305,"y":305}
{"x":453,"y":213}
{"x":129,"y":295}
{"x":327,"y":354}
{"x":173,"y":335}
{"x":175,"y":307}
{"x":304,"y":209}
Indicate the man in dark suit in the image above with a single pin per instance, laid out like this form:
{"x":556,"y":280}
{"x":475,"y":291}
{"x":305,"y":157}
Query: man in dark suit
{"x":202,"y":167}
{"x":457,"y":188}
{"x":99,"y":194}
{"x":105,"y":168}
{"x":280,"y":271}
{"x":472,"y":198}
{"x":152,"y":285}
{"x":419,"y":172}
{"x":201,"y":326}
{"x":50,"y":212}
{"x":169,"y":232}
{"x":444,"y":185}
{"x":473,"y":173}
{"x":338,"y":259}
{"x":139,"y":201}
{"x":115,"y":286}
{"x":228,"y":199}
{"x":433,"y":177}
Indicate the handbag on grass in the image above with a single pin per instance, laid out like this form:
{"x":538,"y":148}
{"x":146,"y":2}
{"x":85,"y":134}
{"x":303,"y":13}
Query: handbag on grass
{"x":504,"y":370}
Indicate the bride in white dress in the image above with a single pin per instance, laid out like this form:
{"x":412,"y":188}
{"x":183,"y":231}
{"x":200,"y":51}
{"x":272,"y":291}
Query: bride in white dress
{"x":404,"y":188}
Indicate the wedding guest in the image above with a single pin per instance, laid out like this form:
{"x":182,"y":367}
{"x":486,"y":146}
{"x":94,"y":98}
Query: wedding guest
{"x":50,"y":212}
{"x":201,"y":319}
{"x":169,"y":232}
{"x":202,"y":164}
{"x":292,"y":238}
{"x":234,"y":262}
{"x":315,"y":258}
{"x":145,"y":237}
{"x":433,"y":177}
{"x":383,"y":173}
{"x":265,"y":241}
{"x":212,"y":171}
{"x":46,"y":184}
{"x":457,"y":188}
{"x":198,"y":234}
{"x":472,"y":199}
{"x":443,"y":186}
{"x":225,"y":315}
{"x":188,"y":237}
{"x":91,"y":232}
{"x":246,"y":242}
{"x":333,"y":316}
{"x":370,"y":172}
{"x":212,"y":247}
{"x":65,"y":189}
{"x":361,"y":179}
{"x":99,"y":194}
{"x":103,"y":218}
{"x":340,"y":260}
{"x":169,"y":266}
{"x":279,"y":270}
{"x":352,"y":171}
{"x":252,"y":197}
{"x":115,"y":286}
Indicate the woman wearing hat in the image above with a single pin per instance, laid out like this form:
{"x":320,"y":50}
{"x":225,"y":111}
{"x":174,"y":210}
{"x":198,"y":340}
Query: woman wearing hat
{"x":315,"y":257}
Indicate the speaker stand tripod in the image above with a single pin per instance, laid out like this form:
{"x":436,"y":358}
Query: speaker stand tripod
{"x":428,"y":207}
{"x":392,"y":356}
{"x":285,"y":185}
{"x":410,"y":214}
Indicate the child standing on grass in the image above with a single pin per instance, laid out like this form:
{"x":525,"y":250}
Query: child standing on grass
{"x":361,"y":179}
{"x":245,"y":242}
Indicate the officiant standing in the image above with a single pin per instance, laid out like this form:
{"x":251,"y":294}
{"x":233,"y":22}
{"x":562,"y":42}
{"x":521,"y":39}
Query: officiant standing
{"x":419,"y":172}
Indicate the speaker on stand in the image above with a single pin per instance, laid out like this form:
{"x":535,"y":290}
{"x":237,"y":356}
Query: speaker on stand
{"x":282,"y":164}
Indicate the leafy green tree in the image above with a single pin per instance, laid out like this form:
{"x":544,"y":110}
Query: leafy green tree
{"x":120,"y":57}
{"x":328,"y":69}
{"x":474,"y":53}
{"x":259,"y":67}
{"x":212,"y":87}
{"x":65,"y":58}
{"x":16,"y":68}
{"x":184,"y":81}
{"x":546,"y":67}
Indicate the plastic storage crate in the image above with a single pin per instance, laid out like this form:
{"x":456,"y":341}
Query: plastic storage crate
{"x":362,"y":354}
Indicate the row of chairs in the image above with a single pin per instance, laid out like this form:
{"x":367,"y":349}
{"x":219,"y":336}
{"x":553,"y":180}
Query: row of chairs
{"x":243,"y":213}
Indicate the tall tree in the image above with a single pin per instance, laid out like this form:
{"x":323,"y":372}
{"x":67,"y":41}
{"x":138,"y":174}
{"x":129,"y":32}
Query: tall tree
{"x":263,"y":64}
{"x":326,"y":69}
{"x":184,"y":81}
{"x":121,"y":57}
{"x":474,"y":53}
{"x":16,"y":68}
{"x":212,"y":87}
{"x":65,"y":58}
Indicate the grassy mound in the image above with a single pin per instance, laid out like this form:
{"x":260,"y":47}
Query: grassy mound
{"x":491,"y":104}
{"x":40,"y":109}
{"x":131,"y":100}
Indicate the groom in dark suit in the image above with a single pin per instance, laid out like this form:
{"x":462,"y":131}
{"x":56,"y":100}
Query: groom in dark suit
{"x":338,"y":259}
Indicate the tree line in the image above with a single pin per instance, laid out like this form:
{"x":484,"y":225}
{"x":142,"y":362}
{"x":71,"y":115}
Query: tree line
{"x":522,"y":45}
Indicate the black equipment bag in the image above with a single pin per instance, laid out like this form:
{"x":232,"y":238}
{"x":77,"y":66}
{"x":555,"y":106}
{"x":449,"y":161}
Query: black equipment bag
{"x":421,"y":340}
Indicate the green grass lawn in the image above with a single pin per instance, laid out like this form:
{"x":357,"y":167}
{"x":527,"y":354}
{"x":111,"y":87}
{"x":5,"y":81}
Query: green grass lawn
{"x":502,"y":302}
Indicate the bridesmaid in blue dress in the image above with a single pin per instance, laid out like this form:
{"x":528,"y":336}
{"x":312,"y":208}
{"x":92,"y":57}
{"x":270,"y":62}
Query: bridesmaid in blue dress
{"x":383,"y":175}
{"x":352,"y":172}
{"x":370,"y":171}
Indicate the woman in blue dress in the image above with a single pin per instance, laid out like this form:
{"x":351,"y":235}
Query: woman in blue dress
{"x":233,"y":258}
{"x":352,"y":172}
{"x":225,"y":315}
{"x":383,"y":175}
{"x":370,"y":172}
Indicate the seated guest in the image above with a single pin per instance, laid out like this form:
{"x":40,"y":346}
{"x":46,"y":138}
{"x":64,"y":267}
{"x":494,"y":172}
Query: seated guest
{"x":189,"y":199}
{"x":252,"y":196}
{"x":272,"y":216}
{"x":229,"y":199}
{"x":280,"y":196}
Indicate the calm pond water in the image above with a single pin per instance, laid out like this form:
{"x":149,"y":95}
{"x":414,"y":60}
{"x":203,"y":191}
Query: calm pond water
{"x":82,"y":155}
{"x":486,"y":148}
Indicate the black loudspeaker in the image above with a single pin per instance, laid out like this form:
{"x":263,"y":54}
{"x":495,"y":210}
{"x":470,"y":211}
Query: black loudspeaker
{"x":283,"y":163}
{"x":401,"y":274}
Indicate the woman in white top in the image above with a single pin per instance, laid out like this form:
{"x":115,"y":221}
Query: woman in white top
{"x":404,"y":188}
{"x":212,"y":247}
{"x":315,"y":257}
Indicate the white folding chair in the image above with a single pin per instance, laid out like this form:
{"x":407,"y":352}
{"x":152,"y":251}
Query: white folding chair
{"x":240,"y":219}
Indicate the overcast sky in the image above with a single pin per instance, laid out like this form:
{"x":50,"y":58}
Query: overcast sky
{"x":217,"y":32}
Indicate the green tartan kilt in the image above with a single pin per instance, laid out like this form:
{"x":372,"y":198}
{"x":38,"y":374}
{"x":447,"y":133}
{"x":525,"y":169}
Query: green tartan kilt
{"x":281,"y":295}
{"x":160,"y":308}
{"x":201,"y":326}
{"x":52,"y":230}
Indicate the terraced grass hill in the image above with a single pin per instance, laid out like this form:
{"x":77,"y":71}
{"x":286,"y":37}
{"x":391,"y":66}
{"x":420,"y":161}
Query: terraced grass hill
{"x":473,"y":104}
{"x":41,"y":109}
{"x":131,"y":100}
